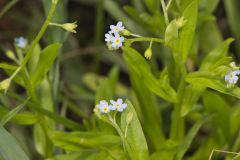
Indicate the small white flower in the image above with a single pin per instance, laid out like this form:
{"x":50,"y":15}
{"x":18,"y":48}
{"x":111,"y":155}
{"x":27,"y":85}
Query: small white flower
{"x":232,"y":77}
{"x":117,"y":41}
{"x":118,"y":28}
{"x":20,"y":42}
{"x":103,"y":107}
{"x":118,"y":105}
{"x":108,"y":37}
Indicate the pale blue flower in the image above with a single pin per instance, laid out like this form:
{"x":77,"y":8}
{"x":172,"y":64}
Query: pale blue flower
{"x":20,"y":42}
{"x":118,"y":28}
{"x":232,"y":77}
{"x":103,"y":107}
{"x":117,"y":41}
{"x":108,"y":37}
{"x":118,"y":105}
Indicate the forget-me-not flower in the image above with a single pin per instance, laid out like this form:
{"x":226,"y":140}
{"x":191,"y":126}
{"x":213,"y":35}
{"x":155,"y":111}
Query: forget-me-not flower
{"x":21,"y":42}
{"x":117,"y":41}
{"x":113,"y":38}
{"x":232,"y":77}
{"x":103,"y":107}
{"x":118,"y":105}
{"x":117,"y":28}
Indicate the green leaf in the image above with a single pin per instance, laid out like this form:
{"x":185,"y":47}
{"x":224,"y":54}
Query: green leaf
{"x":205,"y":79}
{"x":135,"y":136}
{"x":186,"y":142}
{"x":186,"y":35}
{"x":42,"y":141}
{"x":46,"y":60}
{"x":9,"y":148}
{"x":172,"y":31}
{"x":34,"y":58}
{"x":25,"y":118}
{"x":148,"y":109}
{"x":75,"y":141}
{"x":191,"y":95}
{"x":183,"y":44}
{"x":219,"y":52}
{"x":141,"y":67}
{"x":214,"y":103}
{"x":12,"y":113}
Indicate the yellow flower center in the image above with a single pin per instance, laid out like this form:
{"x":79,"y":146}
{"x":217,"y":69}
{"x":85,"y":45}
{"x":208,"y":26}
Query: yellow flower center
{"x":117,"y":105}
{"x":105,"y":109}
{"x":116,"y":29}
{"x":231,"y":76}
{"x":117,"y":40}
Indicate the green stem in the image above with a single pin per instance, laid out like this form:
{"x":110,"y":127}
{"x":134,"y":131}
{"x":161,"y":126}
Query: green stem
{"x":146,"y":39}
{"x":168,"y":5}
{"x":40,"y":33}
{"x":135,"y":35}
{"x":177,"y":127}
{"x":55,"y":24}
{"x":165,"y":12}
{"x":114,"y":124}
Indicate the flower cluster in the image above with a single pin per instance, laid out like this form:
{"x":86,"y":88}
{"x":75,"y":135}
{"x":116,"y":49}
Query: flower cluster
{"x":231,"y":77}
{"x":105,"y":107}
{"x":113,"y":38}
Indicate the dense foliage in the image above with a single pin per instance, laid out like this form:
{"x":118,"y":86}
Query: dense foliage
{"x":163,"y":85}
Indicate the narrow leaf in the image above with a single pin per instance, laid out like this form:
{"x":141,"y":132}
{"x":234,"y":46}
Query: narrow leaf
{"x":12,"y":113}
{"x":135,"y":136}
{"x":46,"y":60}
{"x":9,"y":148}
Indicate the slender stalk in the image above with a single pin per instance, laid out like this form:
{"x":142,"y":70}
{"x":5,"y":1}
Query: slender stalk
{"x":114,"y":124}
{"x":40,"y":33}
{"x":164,"y":11}
{"x":168,"y":5}
{"x":55,"y":24}
{"x":146,"y":39}
{"x":135,"y":35}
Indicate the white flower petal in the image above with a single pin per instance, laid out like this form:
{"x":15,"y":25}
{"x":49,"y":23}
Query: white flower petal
{"x":119,"y":100}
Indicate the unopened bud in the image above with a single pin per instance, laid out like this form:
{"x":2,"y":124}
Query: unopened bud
{"x":148,"y":53}
{"x":4,"y":85}
{"x":126,"y":32}
{"x":70,"y":27}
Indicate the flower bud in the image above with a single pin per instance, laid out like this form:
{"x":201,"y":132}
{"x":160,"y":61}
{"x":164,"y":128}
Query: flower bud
{"x":148,"y":53}
{"x":70,"y":27}
{"x":10,"y":54}
{"x":126,"y":32}
{"x":4,"y":85}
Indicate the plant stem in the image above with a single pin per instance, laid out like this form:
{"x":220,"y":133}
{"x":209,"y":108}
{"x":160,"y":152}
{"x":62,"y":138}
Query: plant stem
{"x":55,"y":24}
{"x":168,"y":5}
{"x":146,"y":39}
{"x":135,"y":35}
{"x":115,"y":125}
{"x":40,"y":33}
{"x":164,"y":11}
